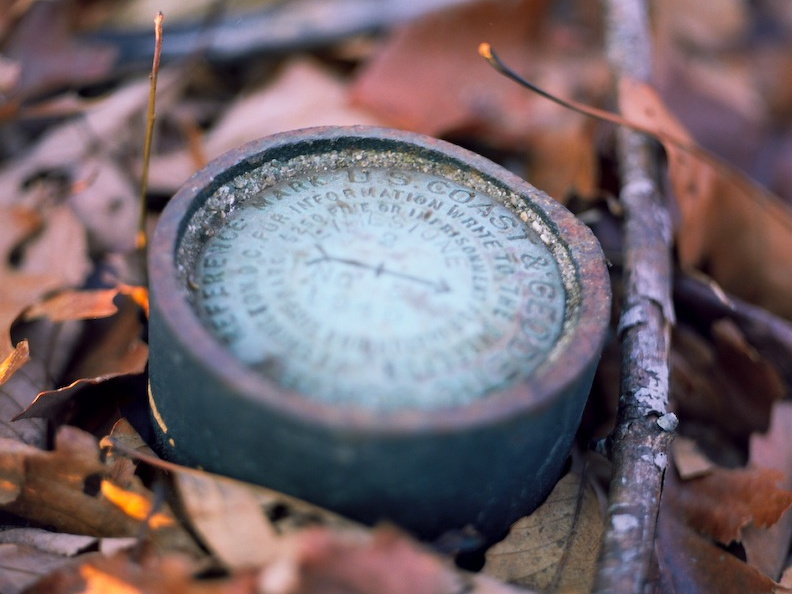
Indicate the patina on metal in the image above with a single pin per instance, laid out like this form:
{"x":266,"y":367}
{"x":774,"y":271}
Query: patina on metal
{"x":375,"y":321}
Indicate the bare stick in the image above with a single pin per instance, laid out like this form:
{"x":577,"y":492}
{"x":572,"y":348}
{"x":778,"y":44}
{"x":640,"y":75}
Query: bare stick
{"x":140,"y":238}
{"x":643,"y":430}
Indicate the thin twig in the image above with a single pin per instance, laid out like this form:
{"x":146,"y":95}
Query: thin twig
{"x":643,"y":430}
{"x":670,"y":139}
{"x":140,"y":238}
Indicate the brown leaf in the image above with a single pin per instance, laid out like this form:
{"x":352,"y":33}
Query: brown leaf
{"x":68,"y":153}
{"x":29,"y":554}
{"x":723,"y":381}
{"x":690,"y":461}
{"x":304,"y":94}
{"x":20,"y":289}
{"x":115,"y":353}
{"x":385,"y":561}
{"x":23,"y":565}
{"x":124,"y":436}
{"x":49,"y":487}
{"x":731,"y":228}
{"x":139,"y":296}
{"x":227,"y":516}
{"x":17,"y":224}
{"x":105,"y":200}
{"x":766,"y":549}
{"x":60,"y":61}
{"x":555,"y":548}
{"x":75,"y":305}
{"x":60,"y":249}
{"x":769,"y":334}
{"x":388,"y":562}
{"x":63,"y":489}
{"x":305,"y":548}
{"x":121,"y":574}
{"x":49,"y":403}
{"x":428,"y":78}
{"x":703,"y":24}
{"x":119,"y":347}
{"x":724,"y":502}
{"x":46,"y":541}
{"x":14,"y":360}
{"x":50,"y":347}
{"x":690,"y":562}
{"x":24,"y":284}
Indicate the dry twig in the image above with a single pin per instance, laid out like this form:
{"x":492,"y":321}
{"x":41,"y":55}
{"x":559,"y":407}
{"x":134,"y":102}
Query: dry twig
{"x":644,"y":429}
{"x":140,"y":238}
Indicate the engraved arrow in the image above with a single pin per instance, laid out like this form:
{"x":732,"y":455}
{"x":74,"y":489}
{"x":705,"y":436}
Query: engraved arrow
{"x":379,"y":270}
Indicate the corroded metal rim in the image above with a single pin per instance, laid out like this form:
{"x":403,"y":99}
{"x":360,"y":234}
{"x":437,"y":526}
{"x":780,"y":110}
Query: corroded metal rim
{"x":582,"y":338}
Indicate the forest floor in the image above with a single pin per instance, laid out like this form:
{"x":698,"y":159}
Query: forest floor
{"x":85,"y":503}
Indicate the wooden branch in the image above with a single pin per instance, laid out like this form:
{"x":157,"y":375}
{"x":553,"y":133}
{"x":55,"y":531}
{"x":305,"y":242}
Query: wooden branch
{"x":643,"y":429}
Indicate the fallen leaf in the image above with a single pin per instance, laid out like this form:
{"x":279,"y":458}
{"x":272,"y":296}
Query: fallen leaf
{"x":60,"y":249}
{"x":707,"y":82}
{"x":21,"y":566}
{"x":154,"y":574}
{"x":284,"y":514}
{"x":57,"y":543}
{"x":105,"y":199}
{"x":690,"y":562}
{"x":228,"y":518}
{"x":117,"y":352}
{"x":722,"y":503}
{"x":770,"y":335}
{"x":386,"y":562}
{"x":24,"y":283}
{"x":63,"y":60}
{"x":125,"y":436}
{"x":10,"y":11}
{"x":75,"y":305}
{"x":775,"y":90}
{"x":48,"y":404}
{"x":51,"y":348}
{"x":62,"y":543}
{"x":303,"y":548}
{"x":62,"y":489}
{"x":706,"y":24}
{"x":555,"y":548}
{"x":722,"y":380}
{"x":737,"y":232}
{"x":50,"y":486}
{"x":766,"y":549}
{"x":117,"y":346}
{"x":304,"y":94}
{"x":139,"y":296}
{"x":65,"y":154}
{"x":690,"y":461}
{"x":21,"y":288}
{"x":136,"y":505}
{"x":428,"y":78}
{"x":9,"y":74}
{"x":14,"y":360}
{"x":316,"y":560}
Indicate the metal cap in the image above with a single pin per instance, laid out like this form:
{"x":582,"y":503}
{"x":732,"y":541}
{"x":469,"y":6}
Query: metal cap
{"x":378,"y":322}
